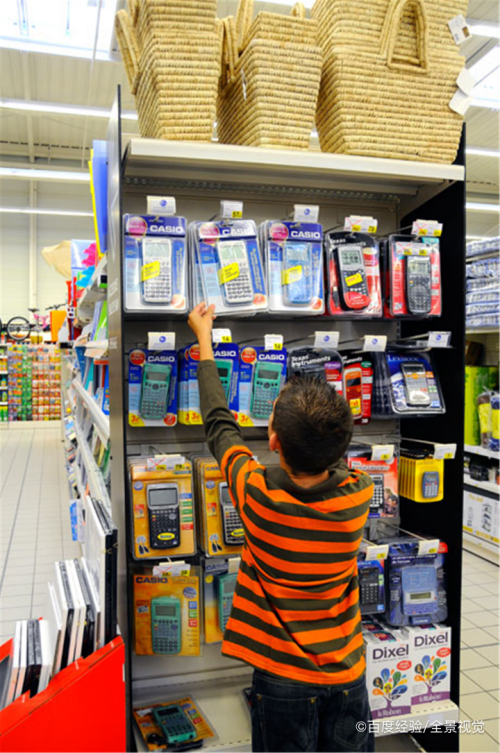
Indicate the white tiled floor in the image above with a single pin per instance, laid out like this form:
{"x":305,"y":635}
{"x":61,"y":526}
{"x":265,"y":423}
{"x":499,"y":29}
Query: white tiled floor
{"x":35,"y":531}
{"x":34,"y":518}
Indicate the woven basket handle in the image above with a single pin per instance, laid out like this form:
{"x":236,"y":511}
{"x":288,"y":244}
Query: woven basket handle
{"x":229,"y":50}
{"x":389,"y":37}
{"x":129,"y":48}
{"x":244,"y":17}
{"x":133,"y":10}
{"x":298,"y":10}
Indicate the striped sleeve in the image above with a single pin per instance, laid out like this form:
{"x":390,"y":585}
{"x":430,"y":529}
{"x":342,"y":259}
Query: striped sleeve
{"x":237,"y":463}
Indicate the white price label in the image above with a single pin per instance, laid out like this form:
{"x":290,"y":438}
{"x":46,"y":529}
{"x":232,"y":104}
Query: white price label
{"x":427,"y":228}
{"x":428,"y":546}
{"x":439,"y":339}
{"x":379,"y":552}
{"x":175,"y":569}
{"x":164,"y":462}
{"x":460,"y":102}
{"x":305,"y":213}
{"x":233,"y":564}
{"x":383,"y":452}
{"x":221,"y":335}
{"x":326,"y":339}
{"x":466,"y":81}
{"x":161,"y":340}
{"x":459,"y":29}
{"x":231,"y":210}
{"x":445,"y":451}
{"x":273,"y":342}
{"x":375,"y":342}
{"x":360,"y":224}
{"x":162,"y":206}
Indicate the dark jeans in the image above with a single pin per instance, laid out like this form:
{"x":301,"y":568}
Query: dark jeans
{"x":291,"y":716}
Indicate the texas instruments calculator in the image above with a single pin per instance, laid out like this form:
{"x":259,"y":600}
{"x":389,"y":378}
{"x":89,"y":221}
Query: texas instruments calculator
{"x":266,"y":387}
{"x":224,"y":369}
{"x":225,"y":592}
{"x":238,"y":290}
{"x":234,"y":534}
{"x":417,"y":388}
{"x":175,"y":725}
{"x":163,"y":511}
{"x":154,"y":395}
{"x":298,"y":256}
{"x":418,"y":284}
{"x":166,"y":624}
{"x":157,"y":288}
{"x":353,"y":283}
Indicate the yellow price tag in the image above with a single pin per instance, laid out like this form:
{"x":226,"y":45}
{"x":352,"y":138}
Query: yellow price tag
{"x":422,"y":231}
{"x":150,"y":270}
{"x":423,"y":252}
{"x":231,"y":272}
{"x":356,"y":228}
{"x":448,"y":456}
{"x":277,"y":346}
{"x":179,"y":467}
{"x":354,"y":279}
{"x":226,"y":338}
{"x":372,"y":228}
{"x":236,"y":214}
{"x":293,"y":274}
{"x":380,"y":556}
{"x":407,"y":251}
{"x":385,"y":456}
{"x":437,"y":232}
{"x":355,"y":404}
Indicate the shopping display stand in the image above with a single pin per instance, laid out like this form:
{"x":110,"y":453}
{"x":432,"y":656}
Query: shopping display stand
{"x":270,"y":182}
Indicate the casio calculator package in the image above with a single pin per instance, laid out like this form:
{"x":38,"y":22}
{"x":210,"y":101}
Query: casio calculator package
{"x":421,"y":476}
{"x":162,"y":724}
{"x":354,"y":282}
{"x":323,"y":362}
{"x":226,"y":357}
{"x":167,"y":614}
{"x":293,"y":254}
{"x":162,"y":508}
{"x":430,"y":647}
{"x":385,"y":500}
{"x":406,"y":383}
{"x":388,"y":670}
{"x":152,"y":387}
{"x":371,"y":584}
{"x":357,"y":380}
{"x":230,"y":266}
{"x":220,"y":530}
{"x":262,"y":375}
{"x":413,"y":277}
{"x":219,"y":583}
{"x":155,"y":264}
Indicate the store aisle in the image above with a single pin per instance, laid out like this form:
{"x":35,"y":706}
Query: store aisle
{"x":34,"y":517}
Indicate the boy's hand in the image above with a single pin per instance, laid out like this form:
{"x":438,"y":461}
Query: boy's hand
{"x":200,"y":320}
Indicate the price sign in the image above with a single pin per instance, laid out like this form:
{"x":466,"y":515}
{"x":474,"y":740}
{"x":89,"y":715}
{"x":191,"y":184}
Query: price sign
{"x":231,"y":210}
{"x":305,"y":213}
{"x":326,"y":339}
{"x":383,"y":452}
{"x":359,"y":224}
{"x":429,"y":228}
{"x":445,"y":451}
{"x":380,"y":552}
{"x":439,"y":339}
{"x":375,"y":343}
{"x":161,"y":340}
{"x":222,"y":335}
{"x":273,"y":342}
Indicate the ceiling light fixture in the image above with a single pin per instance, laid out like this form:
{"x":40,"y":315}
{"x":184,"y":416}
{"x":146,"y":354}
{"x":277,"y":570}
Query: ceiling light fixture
{"x":481,"y":152}
{"x":477,"y":206}
{"x":55,"y":212}
{"x":484,"y":29}
{"x":60,"y":109}
{"x":21,"y":173}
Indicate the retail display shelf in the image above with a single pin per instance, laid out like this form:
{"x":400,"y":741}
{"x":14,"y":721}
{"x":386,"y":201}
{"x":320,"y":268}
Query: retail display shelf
{"x":478,"y":450}
{"x":485,"y":255}
{"x":486,"y":486}
{"x":243,"y":164}
{"x":95,"y":479}
{"x":482,"y":548}
{"x":483,"y":331}
{"x":101,"y":421}
{"x":96,"y":289}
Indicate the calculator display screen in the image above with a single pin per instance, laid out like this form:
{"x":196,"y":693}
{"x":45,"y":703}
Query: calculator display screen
{"x":267,"y":374}
{"x":154,"y":376}
{"x":421,"y":596}
{"x":168,"y":712}
{"x":223,"y":371}
{"x":225,"y":495}
{"x":165,"y":611}
{"x":356,"y":382}
{"x":228,"y":587}
{"x":162,"y":496}
{"x":420,"y":267}
{"x":351,"y":256}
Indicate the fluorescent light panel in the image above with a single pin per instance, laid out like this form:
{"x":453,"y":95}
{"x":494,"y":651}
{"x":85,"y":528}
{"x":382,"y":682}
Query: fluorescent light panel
{"x":477,"y":206}
{"x":55,"y":212}
{"x":484,"y":29}
{"x":60,"y":109}
{"x":33,"y":174}
{"x":481,"y":152}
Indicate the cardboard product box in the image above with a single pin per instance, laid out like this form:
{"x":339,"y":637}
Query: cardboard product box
{"x":388,"y":672}
{"x":430,"y":649}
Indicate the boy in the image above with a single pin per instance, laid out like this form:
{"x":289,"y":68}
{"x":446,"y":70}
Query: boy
{"x":295,"y":615}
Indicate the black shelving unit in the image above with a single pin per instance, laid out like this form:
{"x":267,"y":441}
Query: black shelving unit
{"x":270,"y":182}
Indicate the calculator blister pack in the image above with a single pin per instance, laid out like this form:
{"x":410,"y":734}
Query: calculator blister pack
{"x":385,"y":500}
{"x":155,"y":264}
{"x":226,"y":357}
{"x":230,"y":266}
{"x":262,"y":375}
{"x":293,"y":255}
{"x":219,"y":583}
{"x":220,"y":530}
{"x":354,"y":280}
{"x":357,"y":380}
{"x":152,"y":387}
{"x":321,"y":362}
{"x":413,"y":277}
{"x":152,"y":722}
{"x":163,"y":522}
{"x":167,"y":614}
{"x":406,"y":384}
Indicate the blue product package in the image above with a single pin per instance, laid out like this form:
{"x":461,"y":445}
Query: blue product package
{"x":152,"y":387}
{"x":227,"y":361}
{"x":262,"y":375}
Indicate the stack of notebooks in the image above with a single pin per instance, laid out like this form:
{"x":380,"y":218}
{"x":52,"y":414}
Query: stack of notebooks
{"x":28,"y":667}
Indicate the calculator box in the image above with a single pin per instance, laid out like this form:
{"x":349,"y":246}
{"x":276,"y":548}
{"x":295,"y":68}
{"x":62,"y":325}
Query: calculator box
{"x":152,"y":733}
{"x":385,"y":500}
{"x":220,"y":528}
{"x":167,"y":614}
{"x":358,"y":386}
{"x":152,"y":388}
{"x":394,"y":383}
{"x":155,"y":264}
{"x":371,"y":586}
{"x":388,"y":672}
{"x":430,"y":647}
{"x":262,"y":376}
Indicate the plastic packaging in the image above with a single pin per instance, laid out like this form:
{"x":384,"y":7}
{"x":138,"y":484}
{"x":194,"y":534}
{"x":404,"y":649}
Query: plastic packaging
{"x":293,"y":254}
{"x":358,"y":385}
{"x":354,"y":283}
{"x":413,"y":276}
{"x":227,"y":360}
{"x":323,"y":362}
{"x":220,"y":532}
{"x":406,"y":383}
{"x":262,"y":375}
{"x":219,"y":582}
{"x":152,"y":387}
{"x":385,"y":500}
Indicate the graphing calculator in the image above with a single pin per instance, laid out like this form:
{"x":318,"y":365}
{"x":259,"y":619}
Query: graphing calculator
{"x":225,"y":591}
{"x":233,"y":532}
{"x":157,"y":289}
{"x":353,"y":282}
{"x":430,"y":484}
{"x":371,"y":582}
{"x":154,"y":394}
{"x":166,"y":632}
{"x":175,"y":724}
{"x":239,"y":290}
{"x":298,"y":256}
{"x":419,"y":590}
{"x":225,"y":369}
{"x":266,"y":387}
{"x":418,"y":284}
{"x":377,"y":501}
{"x":353,"y":389}
{"x":416,"y":385}
{"x":164,"y":517}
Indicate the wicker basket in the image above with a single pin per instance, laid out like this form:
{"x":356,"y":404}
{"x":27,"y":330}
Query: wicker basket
{"x":387,"y":82}
{"x":271,"y":72}
{"x":172,"y":51}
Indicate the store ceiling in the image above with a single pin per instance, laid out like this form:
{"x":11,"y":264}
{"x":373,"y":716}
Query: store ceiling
{"x":71,"y":80}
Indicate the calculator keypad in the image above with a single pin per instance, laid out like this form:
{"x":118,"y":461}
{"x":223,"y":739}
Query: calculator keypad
{"x":165,"y":638}
{"x":263,"y":401}
{"x":232,"y":522}
{"x":159,"y":289}
{"x":163,"y":521}
{"x":239,"y":290}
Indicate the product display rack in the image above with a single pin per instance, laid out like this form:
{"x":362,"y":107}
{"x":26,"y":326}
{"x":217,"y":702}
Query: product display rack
{"x":4,"y":383}
{"x":270,"y":182}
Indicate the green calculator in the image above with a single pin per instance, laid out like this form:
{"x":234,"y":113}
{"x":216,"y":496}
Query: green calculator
{"x":166,"y":624}
{"x":175,"y":724}
{"x":225,"y":369}
{"x":265,"y":389}
{"x":225,"y":592}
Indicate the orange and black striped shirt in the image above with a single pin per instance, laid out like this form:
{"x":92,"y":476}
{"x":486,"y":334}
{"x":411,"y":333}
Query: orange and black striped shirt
{"x":296,"y":607}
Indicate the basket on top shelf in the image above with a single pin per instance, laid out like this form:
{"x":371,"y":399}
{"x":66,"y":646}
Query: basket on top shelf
{"x":171,"y":50}
{"x":389,"y":73}
{"x":271,"y":71}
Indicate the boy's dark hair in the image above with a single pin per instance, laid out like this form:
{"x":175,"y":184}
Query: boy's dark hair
{"x":313,"y":423}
